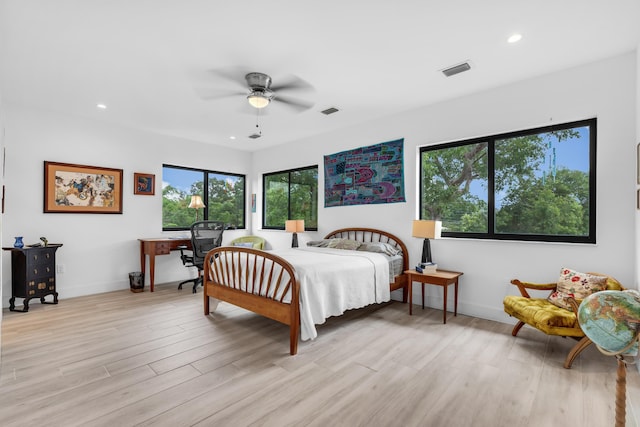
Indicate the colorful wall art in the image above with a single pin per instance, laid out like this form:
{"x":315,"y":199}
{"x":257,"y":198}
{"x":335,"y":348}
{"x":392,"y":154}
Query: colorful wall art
{"x":70,"y":188}
{"x":365,"y":175}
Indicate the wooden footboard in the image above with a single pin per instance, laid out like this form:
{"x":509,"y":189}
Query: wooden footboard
{"x":255,"y":280}
{"x":375,"y":235}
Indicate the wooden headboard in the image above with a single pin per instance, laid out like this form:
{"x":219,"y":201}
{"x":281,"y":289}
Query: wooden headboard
{"x":372,"y":235}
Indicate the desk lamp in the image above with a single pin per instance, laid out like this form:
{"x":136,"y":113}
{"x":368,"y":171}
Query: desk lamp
{"x":196,"y":203}
{"x":294,"y":226}
{"x":427,"y":229}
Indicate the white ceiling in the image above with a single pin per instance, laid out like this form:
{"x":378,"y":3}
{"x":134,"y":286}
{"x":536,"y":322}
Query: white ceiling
{"x":150,"y":61}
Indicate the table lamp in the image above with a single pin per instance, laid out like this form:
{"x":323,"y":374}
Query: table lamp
{"x":196,"y":203}
{"x":294,"y":226}
{"x":427,"y":229}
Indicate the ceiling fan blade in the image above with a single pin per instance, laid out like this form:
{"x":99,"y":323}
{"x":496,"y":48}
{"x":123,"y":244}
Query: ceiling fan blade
{"x":233,"y":74}
{"x":291,"y":82}
{"x":296,"y":104}
{"x":212,"y":94}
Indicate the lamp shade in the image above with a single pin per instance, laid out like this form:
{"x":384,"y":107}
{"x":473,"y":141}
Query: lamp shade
{"x":427,"y":229}
{"x":294,"y":226}
{"x":196,"y":202}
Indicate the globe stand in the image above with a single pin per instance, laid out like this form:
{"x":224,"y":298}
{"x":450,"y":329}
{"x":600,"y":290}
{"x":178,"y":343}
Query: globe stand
{"x":621,"y":381}
{"x":605,"y":317}
{"x":621,"y":392}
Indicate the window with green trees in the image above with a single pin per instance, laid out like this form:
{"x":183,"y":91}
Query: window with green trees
{"x":537,"y":184}
{"x":290,"y":194}
{"x":223,"y":201}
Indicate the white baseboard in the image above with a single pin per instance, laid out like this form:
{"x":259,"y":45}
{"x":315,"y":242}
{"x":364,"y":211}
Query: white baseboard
{"x":473,"y":310}
{"x":78,"y":291}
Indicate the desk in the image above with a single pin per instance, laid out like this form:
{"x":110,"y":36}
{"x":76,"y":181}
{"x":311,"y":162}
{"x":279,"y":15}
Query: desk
{"x":160,"y":246}
{"x":442,"y":278}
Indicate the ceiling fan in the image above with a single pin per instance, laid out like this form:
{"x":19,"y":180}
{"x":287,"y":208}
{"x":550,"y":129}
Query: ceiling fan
{"x":262,"y":91}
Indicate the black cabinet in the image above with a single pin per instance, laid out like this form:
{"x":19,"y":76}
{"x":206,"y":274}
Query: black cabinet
{"x":33,"y":274}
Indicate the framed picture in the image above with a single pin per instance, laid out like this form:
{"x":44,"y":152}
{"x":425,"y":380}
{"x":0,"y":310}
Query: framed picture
{"x":638,"y":199}
{"x":144,"y":184}
{"x":70,"y":188}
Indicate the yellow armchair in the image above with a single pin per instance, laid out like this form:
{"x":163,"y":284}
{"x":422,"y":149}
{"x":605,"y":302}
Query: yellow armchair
{"x":256,"y":241}
{"x":547,"y":317}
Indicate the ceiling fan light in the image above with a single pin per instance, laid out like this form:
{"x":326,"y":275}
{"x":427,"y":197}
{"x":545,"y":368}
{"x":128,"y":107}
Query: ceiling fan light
{"x":258,"y":100}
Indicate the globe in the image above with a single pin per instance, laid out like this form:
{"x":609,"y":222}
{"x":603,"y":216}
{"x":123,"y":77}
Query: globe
{"x":611,"y":320}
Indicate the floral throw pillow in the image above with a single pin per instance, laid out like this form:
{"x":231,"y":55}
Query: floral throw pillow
{"x":576,"y":285}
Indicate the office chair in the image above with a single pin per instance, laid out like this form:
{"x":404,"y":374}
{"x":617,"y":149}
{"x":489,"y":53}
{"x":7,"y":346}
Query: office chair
{"x":205,"y":235}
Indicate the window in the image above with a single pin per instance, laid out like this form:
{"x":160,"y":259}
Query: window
{"x":223,"y":201}
{"x":537,"y":184}
{"x":291,"y":194}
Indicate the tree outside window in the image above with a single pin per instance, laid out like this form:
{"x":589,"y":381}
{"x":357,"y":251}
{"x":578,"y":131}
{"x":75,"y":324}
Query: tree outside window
{"x":224,"y":199}
{"x":537,"y":184}
{"x":454,"y":186}
{"x":291,"y":194}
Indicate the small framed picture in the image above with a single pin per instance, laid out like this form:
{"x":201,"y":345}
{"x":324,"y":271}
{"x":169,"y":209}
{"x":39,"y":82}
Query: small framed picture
{"x":638,"y":200}
{"x":144,"y":184}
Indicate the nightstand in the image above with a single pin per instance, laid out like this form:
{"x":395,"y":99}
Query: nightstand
{"x":442,"y":278}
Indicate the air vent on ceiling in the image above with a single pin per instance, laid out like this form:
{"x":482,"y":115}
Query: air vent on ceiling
{"x":329,"y":110}
{"x":456,"y":69}
{"x":255,"y":136}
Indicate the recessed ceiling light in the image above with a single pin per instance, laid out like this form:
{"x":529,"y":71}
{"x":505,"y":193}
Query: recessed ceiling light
{"x":232,"y":137}
{"x":101,"y":106}
{"x":515,"y":38}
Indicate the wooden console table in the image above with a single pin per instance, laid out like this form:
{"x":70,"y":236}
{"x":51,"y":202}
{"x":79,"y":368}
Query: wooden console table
{"x":158,"y":246}
{"x":442,"y":278}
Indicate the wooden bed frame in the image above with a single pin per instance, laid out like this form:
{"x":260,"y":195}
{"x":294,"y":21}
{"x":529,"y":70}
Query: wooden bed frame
{"x":271,"y":275}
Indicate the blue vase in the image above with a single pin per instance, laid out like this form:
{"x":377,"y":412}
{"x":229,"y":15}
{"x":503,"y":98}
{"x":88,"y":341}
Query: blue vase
{"x":18,"y":243}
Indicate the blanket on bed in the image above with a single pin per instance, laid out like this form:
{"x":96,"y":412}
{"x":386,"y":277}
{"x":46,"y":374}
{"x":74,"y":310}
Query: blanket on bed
{"x":335,"y":280}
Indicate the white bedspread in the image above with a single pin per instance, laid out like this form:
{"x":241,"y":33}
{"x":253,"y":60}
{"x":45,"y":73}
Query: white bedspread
{"x":335,"y":280}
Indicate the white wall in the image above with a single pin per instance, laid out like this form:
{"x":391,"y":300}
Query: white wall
{"x":605,"y":90}
{"x":99,"y":250}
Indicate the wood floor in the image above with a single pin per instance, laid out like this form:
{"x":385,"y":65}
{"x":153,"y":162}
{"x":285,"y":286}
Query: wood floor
{"x":124,"y":359}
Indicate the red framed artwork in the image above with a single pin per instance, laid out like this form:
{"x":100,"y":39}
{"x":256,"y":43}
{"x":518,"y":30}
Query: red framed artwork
{"x":144,"y":184}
